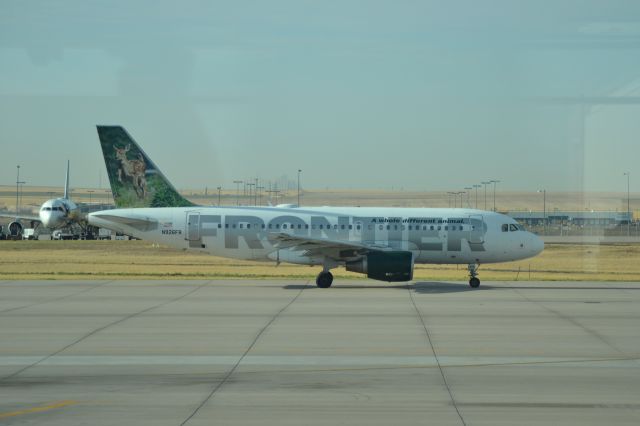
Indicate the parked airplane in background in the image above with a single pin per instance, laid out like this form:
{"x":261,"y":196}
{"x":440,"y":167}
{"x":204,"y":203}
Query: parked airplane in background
{"x":383,"y":243}
{"x":53,"y":214}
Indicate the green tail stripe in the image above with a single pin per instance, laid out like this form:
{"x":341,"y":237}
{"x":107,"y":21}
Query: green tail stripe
{"x":135,"y":179}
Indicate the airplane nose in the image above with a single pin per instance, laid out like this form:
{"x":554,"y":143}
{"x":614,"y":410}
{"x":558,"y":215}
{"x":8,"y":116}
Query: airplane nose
{"x":45,"y":218}
{"x":537,"y":245}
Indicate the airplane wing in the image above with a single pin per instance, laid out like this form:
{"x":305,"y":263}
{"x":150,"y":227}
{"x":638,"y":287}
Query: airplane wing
{"x":335,"y":249}
{"x":27,"y":218}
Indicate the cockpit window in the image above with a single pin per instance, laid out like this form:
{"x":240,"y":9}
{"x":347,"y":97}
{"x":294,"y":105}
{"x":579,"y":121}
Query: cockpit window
{"x":513,"y":227}
{"x":505,"y":227}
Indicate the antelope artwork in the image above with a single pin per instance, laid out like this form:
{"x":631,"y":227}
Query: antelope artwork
{"x":133,"y":170}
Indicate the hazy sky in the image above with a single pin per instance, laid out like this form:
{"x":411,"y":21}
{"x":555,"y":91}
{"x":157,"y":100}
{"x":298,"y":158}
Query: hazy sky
{"x":358,"y":94}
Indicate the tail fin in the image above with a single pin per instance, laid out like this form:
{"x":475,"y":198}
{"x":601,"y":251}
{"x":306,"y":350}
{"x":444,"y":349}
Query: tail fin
{"x":66,"y":183}
{"x":135,"y":180}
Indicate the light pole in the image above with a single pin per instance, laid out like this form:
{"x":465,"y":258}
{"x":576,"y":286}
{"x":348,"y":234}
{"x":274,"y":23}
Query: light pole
{"x":476,"y":187}
{"x":299,"y":171}
{"x":485,"y":193}
{"x":274,"y":191}
{"x":21,"y":190}
{"x":17,"y":191}
{"x":544,"y":210}
{"x":627,"y":174}
{"x":255,"y":193}
{"x":494,"y":193}
{"x":250,"y":185}
{"x":238,"y":182}
{"x":468,"y":188}
{"x":219,"y":190}
{"x":260,"y":188}
{"x":449,"y":199}
{"x":18,"y":183}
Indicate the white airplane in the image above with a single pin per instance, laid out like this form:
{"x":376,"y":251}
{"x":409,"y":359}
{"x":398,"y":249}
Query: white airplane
{"x":382,"y":243}
{"x":54,"y":213}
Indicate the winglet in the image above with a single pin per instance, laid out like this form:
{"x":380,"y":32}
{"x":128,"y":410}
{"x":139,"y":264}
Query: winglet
{"x":135,"y":180}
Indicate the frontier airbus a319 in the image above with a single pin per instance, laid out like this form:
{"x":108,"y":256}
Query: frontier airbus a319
{"x":382,"y":243}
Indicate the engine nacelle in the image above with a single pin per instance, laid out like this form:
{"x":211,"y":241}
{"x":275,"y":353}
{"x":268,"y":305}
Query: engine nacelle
{"x":15,"y":229}
{"x":385,"y":266}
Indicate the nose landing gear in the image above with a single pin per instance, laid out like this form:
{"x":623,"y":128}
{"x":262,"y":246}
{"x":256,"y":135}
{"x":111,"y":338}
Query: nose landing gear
{"x":474,"y":281}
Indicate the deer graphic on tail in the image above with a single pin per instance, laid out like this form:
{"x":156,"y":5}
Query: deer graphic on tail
{"x":133,"y":170}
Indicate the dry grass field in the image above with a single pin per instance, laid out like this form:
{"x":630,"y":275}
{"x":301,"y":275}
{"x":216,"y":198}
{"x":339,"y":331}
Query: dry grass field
{"x":142,"y":260}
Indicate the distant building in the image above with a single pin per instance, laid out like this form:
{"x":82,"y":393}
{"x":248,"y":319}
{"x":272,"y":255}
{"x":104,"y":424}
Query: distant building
{"x":578,"y":218}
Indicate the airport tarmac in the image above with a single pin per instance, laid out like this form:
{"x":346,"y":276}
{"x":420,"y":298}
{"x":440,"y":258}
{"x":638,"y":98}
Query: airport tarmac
{"x":288,"y":353}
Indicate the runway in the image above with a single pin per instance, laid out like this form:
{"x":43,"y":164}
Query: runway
{"x":288,"y":353}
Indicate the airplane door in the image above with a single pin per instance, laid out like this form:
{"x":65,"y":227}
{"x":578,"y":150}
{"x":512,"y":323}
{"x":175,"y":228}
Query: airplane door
{"x":476,"y":234}
{"x":357,"y":230}
{"x":193,"y":226}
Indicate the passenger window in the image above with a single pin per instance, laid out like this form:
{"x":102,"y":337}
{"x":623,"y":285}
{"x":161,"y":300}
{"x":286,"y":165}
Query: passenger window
{"x":269,"y":226}
{"x":233,"y":226}
{"x":505,"y":228}
{"x":358,"y":227}
{"x":380,"y":227}
{"x":277,"y":226}
{"x":320,"y":226}
{"x":299,"y":226}
{"x":241,"y":226}
{"x":226,"y":225}
{"x":341,"y":226}
{"x":432,"y":228}
{"x":350,"y":226}
{"x":439,"y":227}
{"x":370,"y":227}
{"x":306,"y":226}
{"x":335,"y":226}
{"x":284,"y":226}
{"x":263,"y":226}
{"x":446,"y":228}
{"x":219,"y":225}
{"x":410,"y":228}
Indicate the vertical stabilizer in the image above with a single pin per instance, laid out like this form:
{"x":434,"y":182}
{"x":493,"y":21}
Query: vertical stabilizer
{"x":66,"y":183}
{"x":135,"y":180}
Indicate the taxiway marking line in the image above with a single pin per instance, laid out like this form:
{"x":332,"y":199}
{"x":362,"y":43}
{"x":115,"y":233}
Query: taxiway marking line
{"x":39,"y":409}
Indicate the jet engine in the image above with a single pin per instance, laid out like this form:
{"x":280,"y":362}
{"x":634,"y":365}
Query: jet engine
{"x":15,"y":229}
{"x":384,"y":266}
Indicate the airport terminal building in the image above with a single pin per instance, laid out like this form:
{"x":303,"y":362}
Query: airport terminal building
{"x":602,"y":219}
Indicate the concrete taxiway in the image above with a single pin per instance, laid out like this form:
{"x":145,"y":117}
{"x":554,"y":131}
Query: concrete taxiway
{"x":287,"y":353}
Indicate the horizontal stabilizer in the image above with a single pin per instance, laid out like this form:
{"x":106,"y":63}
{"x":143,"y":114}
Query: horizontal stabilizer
{"x":139,"y":223}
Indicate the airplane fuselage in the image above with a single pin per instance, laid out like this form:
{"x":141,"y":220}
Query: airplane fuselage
{"x":443,"y":236}
{"x":58,"y":212}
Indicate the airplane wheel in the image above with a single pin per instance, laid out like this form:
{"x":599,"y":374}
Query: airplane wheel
{"x":324,"y":279}
{"x":474,"y":282}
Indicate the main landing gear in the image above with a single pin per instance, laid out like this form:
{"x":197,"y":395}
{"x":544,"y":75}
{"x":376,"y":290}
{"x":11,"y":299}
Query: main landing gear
{"x":324,"y":279}
{"x":474,"y":281}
